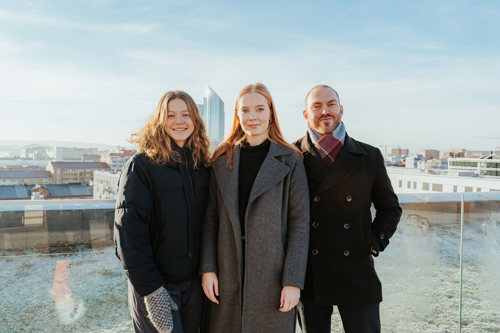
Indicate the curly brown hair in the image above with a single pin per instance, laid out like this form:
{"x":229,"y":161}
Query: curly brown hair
{"x":154,"y":141}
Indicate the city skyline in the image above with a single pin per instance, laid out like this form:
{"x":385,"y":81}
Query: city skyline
{"x":416,"y":75}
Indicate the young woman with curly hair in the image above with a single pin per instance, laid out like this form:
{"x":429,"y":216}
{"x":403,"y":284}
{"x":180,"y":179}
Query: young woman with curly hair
{"x":159,"y":207}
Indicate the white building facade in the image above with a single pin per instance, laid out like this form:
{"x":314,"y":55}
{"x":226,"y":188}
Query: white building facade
{"x":105,"y":185}
{"x":416,"y":181}
{"x":480,"y":166}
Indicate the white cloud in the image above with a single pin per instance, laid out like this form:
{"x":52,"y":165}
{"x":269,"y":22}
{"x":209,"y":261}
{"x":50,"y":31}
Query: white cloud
{"x":55,"y":22}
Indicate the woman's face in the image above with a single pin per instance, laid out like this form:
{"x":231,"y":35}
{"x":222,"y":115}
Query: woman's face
{"x":179,"y":124}
{"x":254,"y":115}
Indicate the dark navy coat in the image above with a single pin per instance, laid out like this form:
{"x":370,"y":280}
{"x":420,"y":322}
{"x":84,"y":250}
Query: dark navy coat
{"x":340,"y":266}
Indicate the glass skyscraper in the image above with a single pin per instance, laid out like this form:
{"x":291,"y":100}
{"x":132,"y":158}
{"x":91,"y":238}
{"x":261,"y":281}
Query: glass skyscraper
{"x":212,"y":112}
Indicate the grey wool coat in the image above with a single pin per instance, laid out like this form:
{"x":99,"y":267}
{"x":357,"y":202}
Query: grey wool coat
{"x":276,"y":244}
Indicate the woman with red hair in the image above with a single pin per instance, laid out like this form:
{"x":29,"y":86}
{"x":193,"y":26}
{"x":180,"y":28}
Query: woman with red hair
{"x":256,"y":226}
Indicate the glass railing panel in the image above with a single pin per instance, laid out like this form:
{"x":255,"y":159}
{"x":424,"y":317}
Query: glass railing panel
{"x":419,"y":270}
{"x":481,"y":263}
{"x":85,"y":291}
{"x":59,"y":272}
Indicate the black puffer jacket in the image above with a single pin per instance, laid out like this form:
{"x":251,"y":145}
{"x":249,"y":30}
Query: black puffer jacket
{"x":159,"y":209}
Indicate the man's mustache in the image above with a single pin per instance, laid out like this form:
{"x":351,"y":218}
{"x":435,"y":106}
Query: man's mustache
{"x":327,"y":116}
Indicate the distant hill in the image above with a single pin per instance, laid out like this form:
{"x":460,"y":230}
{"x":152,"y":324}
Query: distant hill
{"x":15,"y":146}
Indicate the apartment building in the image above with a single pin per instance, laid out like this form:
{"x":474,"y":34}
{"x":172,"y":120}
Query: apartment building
{"x":116,"y":160}
{"x":74,"y":172}
{"x":18,"y":175}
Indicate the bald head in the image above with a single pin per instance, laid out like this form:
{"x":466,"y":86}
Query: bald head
{"x":322,"y":86}
{"x":323,"y":111}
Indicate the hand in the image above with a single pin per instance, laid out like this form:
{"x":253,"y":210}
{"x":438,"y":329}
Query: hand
{"x":159,"y":306}
{"x":373,"y":251}
{"x":289,"y":298}
{"x":210,"y":285}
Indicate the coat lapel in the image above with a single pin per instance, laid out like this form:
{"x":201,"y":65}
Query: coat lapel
{"x":270,"y":172}
{"x":228,"y":185}
{"x":316,"y":168}
{"x":349,"y":159}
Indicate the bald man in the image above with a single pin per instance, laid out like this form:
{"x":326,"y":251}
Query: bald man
{"x":345,"y":178}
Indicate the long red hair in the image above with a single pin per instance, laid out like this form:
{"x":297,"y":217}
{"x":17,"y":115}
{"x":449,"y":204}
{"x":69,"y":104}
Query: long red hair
{"x":237,"y":135}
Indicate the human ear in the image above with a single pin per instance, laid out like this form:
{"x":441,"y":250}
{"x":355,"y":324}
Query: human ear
{"x":304,"y":113}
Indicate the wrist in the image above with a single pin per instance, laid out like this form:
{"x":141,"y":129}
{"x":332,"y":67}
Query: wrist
{"x":292,"y":287}
{"x":154,"y":293}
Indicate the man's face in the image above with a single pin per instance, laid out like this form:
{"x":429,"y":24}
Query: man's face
{"x":323,"y":111}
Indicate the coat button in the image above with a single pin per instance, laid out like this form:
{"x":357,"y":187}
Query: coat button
{"x":347,"y":226}
{"x":314,"y":252}
{"x":348,"y":198}
{"x":381,"y":236}
{"x":315,"y":224}
{"x":316,"y":198}
{"x":347,"y":252}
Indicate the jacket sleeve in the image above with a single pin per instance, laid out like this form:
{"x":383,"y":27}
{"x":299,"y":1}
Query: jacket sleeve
{"x":295,"y":264}
{"x":388,"y":211}
{"x":210,"y":230}
{"x":134,"y":206}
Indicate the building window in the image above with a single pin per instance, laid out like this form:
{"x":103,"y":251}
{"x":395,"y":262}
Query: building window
{"x":425,"y":186}
{"x":408,"y":184}
{"x":478,"y":189}
{"x":437,"y":187}
{"x":400,"y":183}
{"x":415,"y":185}
{"x":455,"y":188}
{"x":468,"y":189}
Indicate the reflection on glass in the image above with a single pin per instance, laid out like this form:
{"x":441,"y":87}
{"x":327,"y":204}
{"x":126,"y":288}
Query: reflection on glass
{"x":66,"y":308}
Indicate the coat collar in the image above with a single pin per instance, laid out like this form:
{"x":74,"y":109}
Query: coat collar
{"x":349,"y":159}
{"x":271,"y":172}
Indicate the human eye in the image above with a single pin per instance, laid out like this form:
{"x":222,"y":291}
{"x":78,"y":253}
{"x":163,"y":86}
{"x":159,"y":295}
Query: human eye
{"x":170,"y":115}
{"x":260,"y":109}
{"x":186,"y":115}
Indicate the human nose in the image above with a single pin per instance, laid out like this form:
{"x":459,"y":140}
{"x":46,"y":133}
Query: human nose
{"x":178,"y":119}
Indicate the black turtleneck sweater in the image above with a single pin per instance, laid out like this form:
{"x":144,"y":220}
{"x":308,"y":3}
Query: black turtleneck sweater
{"x":251,"y":158}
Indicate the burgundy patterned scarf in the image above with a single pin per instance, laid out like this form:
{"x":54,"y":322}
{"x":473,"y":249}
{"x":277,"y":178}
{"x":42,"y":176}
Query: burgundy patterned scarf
{"x":328,"y":145}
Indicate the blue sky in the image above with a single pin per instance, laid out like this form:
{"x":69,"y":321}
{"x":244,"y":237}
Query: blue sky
{"x":415,"y":74}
